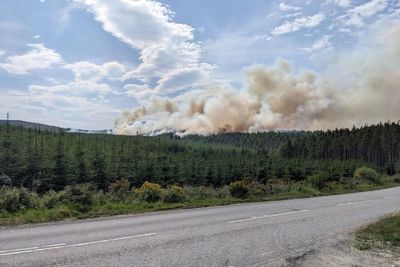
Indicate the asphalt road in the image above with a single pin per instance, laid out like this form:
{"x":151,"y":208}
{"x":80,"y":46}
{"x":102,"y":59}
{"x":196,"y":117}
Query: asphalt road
{"x":256,"y":234}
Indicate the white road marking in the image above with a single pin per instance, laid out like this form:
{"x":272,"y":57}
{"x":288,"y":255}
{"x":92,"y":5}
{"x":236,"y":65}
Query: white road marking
{"x":352,"y":203}
{"x":268,"y":216}
{"x":31,"y":249}
{"x":17,"y":249}
{"x":63,"y":245}
{"x":56,"y":245}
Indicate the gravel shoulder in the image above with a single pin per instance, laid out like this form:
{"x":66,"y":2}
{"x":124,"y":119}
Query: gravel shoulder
{"x":340,"y":251}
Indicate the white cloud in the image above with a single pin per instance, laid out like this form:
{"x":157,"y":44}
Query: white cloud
{"x":2,"y":52}
{"x":58,"y":109}
{"x":87,"y":82}
{"x":342,"y":3}
{"x":357,"y":15}
{"x":165,"y":47}
{"x":286,"y":7}
{"x":85,"y":70}
{"x":322,"y":43}
{"x":38,"y":57}
{"x":292,"y":15}
{"x":262,"y":37}
{"x":88,"y":79}
{"x":37,"y":36}
{"x":138,"y":23}
{"x":63,"y":16}
{"x":159,"y":59}
{"x":75,"y":88}
{"x":298,"y":24}
{"x":346,"y":30}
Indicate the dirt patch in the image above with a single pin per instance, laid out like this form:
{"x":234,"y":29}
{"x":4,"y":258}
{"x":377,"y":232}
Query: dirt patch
{"x":341,"y":252}
{"x":298,"y":259}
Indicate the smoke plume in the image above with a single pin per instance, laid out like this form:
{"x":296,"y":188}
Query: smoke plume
{"x":360,"y":86}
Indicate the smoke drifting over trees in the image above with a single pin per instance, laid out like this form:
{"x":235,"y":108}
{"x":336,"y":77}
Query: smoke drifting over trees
{"x":361,"y":86}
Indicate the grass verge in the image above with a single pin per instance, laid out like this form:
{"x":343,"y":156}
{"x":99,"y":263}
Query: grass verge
{"x":114,"y":207}
{"x":383,"y":234}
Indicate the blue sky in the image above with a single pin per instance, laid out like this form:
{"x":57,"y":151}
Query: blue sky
{"x":82,"y":63}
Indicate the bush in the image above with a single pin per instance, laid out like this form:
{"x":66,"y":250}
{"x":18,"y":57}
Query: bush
{"x":367,"y":174}
{"x":223,"y":192}
{"x":308,"y":190}
{"x":99,"y":199}
{"x":53,"y":198}
{"x":255,"y":188}
{"x":120,"y":188}
{"x":174,"y":194}
{"x":279,"y":186}
{"x":80,"y":194}
{"x":13,"y":199}
{"x":27,"y":199}
{"x":239,"y":189}
{"x":397,"y":178}
{"x":9,"y":199}
{"x":150,"y":192}
{"x":318,"y":180}
{"x":200,"y":192}
{"x":5,"y":180}
{"x":349,"y":182}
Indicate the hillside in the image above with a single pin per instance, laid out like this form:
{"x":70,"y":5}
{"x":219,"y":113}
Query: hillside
{"x":31,"y":125}
{"x":44,"y":127}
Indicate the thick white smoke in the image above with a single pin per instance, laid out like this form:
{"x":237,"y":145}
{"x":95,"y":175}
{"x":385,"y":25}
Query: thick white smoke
{"x":360,"y":87}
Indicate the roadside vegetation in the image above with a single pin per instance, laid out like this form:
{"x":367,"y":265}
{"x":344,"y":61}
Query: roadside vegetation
{"x":19,"y":205}
{"x":383,"y":234}
{"x":48,"y":175}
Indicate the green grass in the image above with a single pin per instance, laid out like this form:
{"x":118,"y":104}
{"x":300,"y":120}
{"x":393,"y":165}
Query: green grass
{"x":70,"y":212}
{"x":385,"y":232}
{"x":113,"y":207}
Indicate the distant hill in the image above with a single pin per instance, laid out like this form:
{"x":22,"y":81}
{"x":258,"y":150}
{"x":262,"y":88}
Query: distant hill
{"x":50,"y":128}
{"x":31,"y":125}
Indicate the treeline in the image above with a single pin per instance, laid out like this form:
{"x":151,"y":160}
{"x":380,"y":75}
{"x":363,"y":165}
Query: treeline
{"x":257,"y":141}
{"x":377,"y":145}
{"x":42,"y":160}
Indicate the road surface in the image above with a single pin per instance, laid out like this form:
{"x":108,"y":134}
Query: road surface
{"x":255,"y":234}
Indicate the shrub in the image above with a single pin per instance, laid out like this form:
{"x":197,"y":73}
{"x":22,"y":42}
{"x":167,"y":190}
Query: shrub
{"x":223,"y":192}
{"x":9,"y":199}
{"x":349,"y":182}
{"x":308,"y":190}
{"x":99,"y":198}
{"x":367,"y":174}
{"x":119,"y":188}
{"x":239,"y":189}
{"x":25,"y":198}
{"x":53,"y":198}
{"x":80,"y":194}
{"x":397,"y":178}
{"x":278,"y":186}
{"x":255,"y":188}
{"x":318,"y":180}
{"x":174,"y":194}
{"x":150,"y":192}
{"x":397,"y":167}
{"x":201,"y":192}
{"x":13,"y":199}
{"x":5,"y":180}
